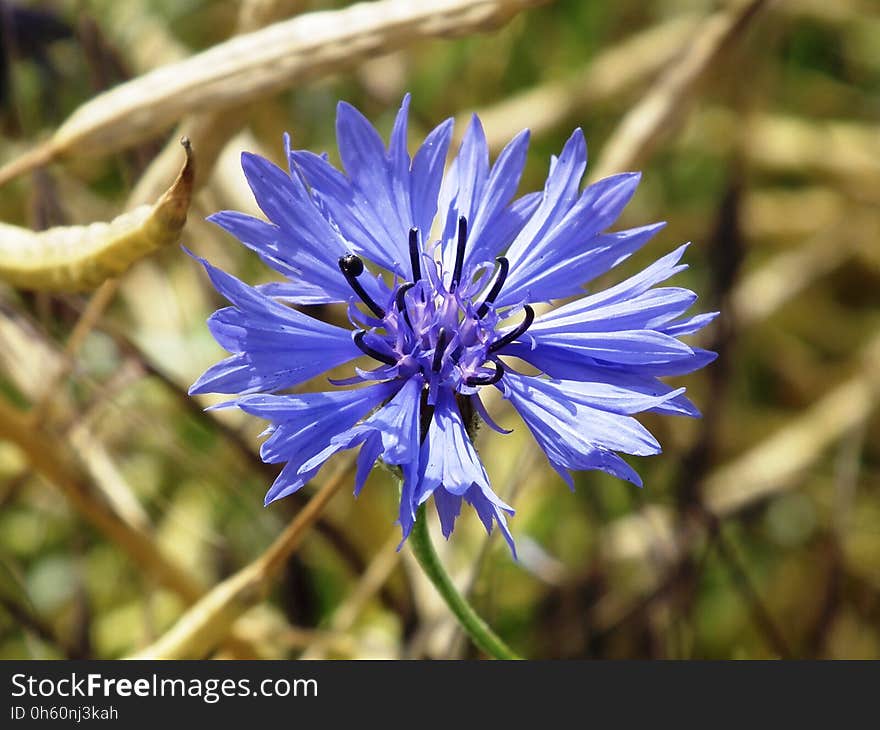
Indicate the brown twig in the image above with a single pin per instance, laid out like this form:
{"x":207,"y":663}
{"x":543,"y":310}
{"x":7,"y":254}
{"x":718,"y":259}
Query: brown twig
{"x":208,"y":622}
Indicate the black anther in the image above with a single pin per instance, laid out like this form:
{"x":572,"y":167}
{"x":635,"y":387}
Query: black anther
{"x":367,"y":350}
{"x":401,"y":304}
{"x":415,"y":254}
{"x":487,"y":379}
{"x":511,"y":336}
{"x":459,"y":251}
{"x":442,"y":341}
{"x":352,"y":267}
{"x":503,"y":268}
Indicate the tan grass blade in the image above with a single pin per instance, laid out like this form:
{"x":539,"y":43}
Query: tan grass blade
{"x":771,"y":467}
{"x":663,"y":106}
{"x":611,"y":72}
{"x":208,"y":622}
{"x":57,"y":465}
{"x":254,"y":65}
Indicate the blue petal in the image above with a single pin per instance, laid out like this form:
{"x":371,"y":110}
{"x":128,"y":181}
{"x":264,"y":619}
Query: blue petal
{"x":486,"y":237}
{"x":560,"y":194}
{"x":398,"y":423}
{"x":289,"y":205}
{"x":448,"y":457}
{"x":274,"y":346}
{"x":451,"y":471}
{"x":391,"y":432}
{"x":575,"y":436}
{"x":304,"y":424}
{"x":649,"y":310}
{"x":612,"y":398}
{"x":463,"y":185}
{"x":351,"y":213}
{"x":661,"y":270}
{"x":366,"y":460}
{"x":427,"y":176}
{"x":690,"y":325}
{"x":230,"y":375}
{"x":699,"y":359}
{"x":312,"y":280}
{"x":564,"y":364}
{"x":407,"y":514}
{"x":625,"y":347}
{"x":540,"y":249}
{"x":448,"y":507}
{"x":398,"y":154}
{"x":566,"y":277}
{"x":299,"y":292}
{"x":363,"y":156}
{"x":490,"y":509}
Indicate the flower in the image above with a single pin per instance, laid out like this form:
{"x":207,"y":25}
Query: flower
{"x":464,"y":264}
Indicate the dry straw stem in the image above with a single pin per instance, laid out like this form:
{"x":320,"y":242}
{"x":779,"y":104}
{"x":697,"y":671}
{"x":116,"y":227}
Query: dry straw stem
{"x":213,"y":130}
{"x":611,"y":72}
{"x":204,"y":626}
{"x":31,"y":363}
{"x":56,"y":464}
{"x":771,"y":467}
{"x":664,"y":105}
{"x":783,"y":277}
{"x":258,"y":64}
{"x":344,"y":617}
{"x":75,"y":258}
{"x":845,"y":152}
{"x":26,"y":355}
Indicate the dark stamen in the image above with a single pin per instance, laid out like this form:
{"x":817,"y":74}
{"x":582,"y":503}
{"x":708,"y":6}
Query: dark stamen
{"x":487,"y":379}
{"x":415,"y":254}
{"x":352,"y":267}
{"x":459,"y":252}
{"x":439,"y":350}
{"x":367,"y":350}
{"x":503,"y":268}
{"x":401,"y":304}
{"x":511,"y":336}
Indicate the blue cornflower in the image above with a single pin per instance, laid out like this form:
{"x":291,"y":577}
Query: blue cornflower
{"x":463,"y":264}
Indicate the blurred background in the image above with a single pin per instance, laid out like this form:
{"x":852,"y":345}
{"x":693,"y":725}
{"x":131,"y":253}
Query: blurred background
{"x":757,"y":534}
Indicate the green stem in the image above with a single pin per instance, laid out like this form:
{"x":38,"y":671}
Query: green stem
{"x":476,"y":628}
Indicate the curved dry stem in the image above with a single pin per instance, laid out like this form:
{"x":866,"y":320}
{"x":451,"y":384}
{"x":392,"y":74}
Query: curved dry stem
{"x":259,"y":64}
{"x":207,"y":623}
{"x":639,"y":132}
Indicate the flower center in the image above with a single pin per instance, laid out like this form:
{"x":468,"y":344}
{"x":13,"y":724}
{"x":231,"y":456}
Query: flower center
{"x":446,"y":332}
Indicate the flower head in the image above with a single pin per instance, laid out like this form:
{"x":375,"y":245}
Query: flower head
{"x":441,"y":273}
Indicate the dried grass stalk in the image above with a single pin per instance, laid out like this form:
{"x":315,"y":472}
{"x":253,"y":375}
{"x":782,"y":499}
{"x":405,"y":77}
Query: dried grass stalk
{"x":204,"y":626}
{"x":771,"y":467}
{"x":663,"y":106}
{"x":57,"y":465}
{"x":613,"y":71}
{"x":256,"y":65}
